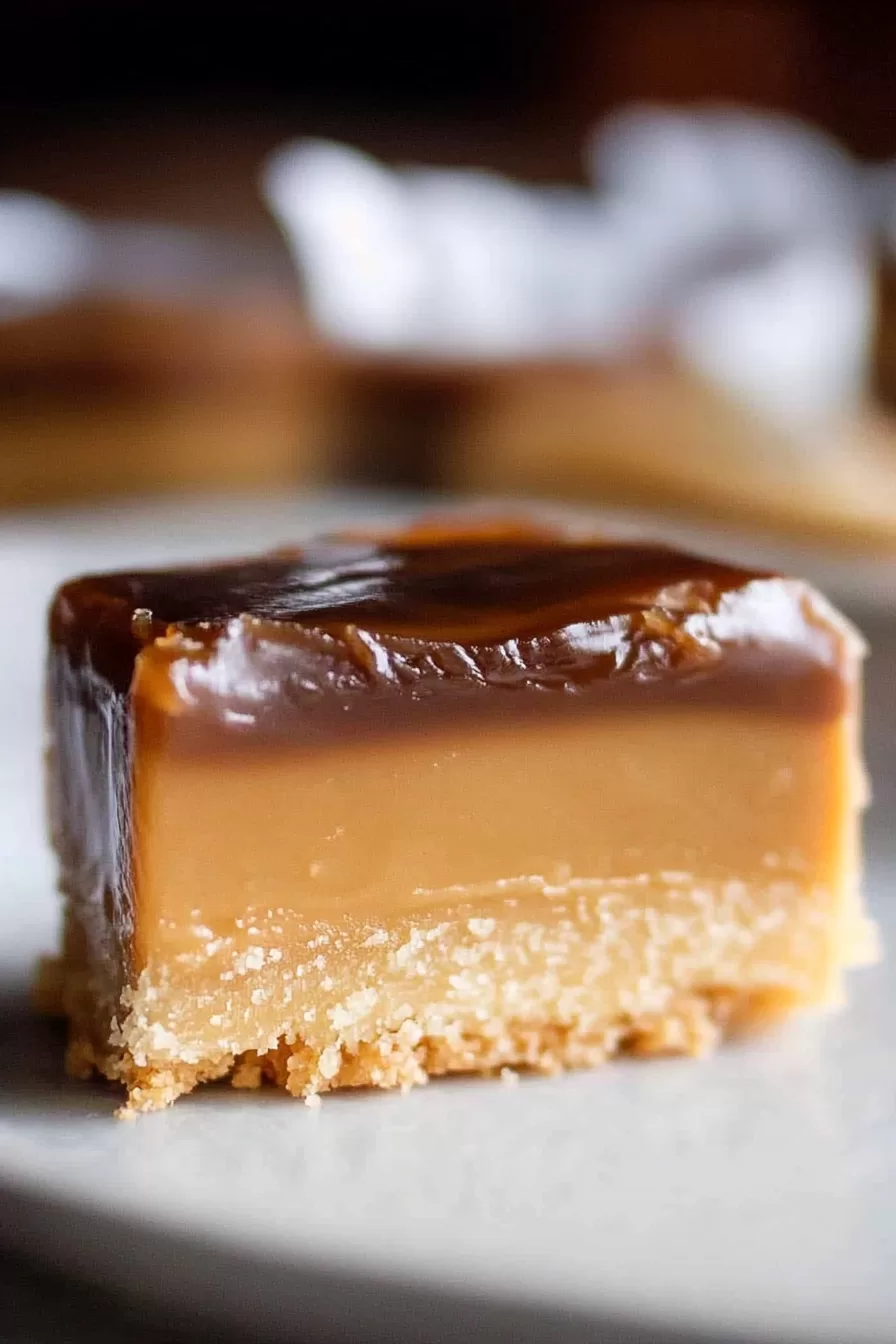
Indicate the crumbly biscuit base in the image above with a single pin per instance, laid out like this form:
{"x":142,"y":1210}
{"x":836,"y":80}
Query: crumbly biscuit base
{"x":693,"y":1024}
{"x":662,"y":968}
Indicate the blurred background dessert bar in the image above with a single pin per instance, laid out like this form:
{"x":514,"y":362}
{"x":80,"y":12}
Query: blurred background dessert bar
{"x":639,"y":254}
{"x":695,"y":332}
{"x":140,"y":357}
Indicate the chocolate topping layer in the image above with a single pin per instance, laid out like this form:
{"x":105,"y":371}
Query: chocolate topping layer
{"x":483,"y":591}
{"x":344,"y":634}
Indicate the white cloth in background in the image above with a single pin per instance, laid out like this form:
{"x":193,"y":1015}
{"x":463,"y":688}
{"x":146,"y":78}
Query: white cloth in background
{"x":50,"y":255}
{"x":741,"y":240}
{"x":46,"y":253}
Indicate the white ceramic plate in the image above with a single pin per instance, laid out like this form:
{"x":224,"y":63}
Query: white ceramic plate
{"x":752,"y":1194}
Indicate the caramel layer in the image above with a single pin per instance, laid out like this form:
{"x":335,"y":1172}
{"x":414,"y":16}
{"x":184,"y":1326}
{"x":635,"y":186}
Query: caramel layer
{"x":399,"y":828}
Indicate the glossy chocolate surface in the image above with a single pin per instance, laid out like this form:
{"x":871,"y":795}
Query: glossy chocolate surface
{"x":354,"y":633}
{"x":473,"y":590}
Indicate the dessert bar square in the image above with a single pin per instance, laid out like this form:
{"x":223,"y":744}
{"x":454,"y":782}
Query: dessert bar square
{"x":368,"y":811}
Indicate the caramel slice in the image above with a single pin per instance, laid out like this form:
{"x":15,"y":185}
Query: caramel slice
{"x":367,"y":812}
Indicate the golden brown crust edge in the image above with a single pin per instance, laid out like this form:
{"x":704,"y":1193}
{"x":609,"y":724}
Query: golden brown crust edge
{"x":692,"y":1024}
